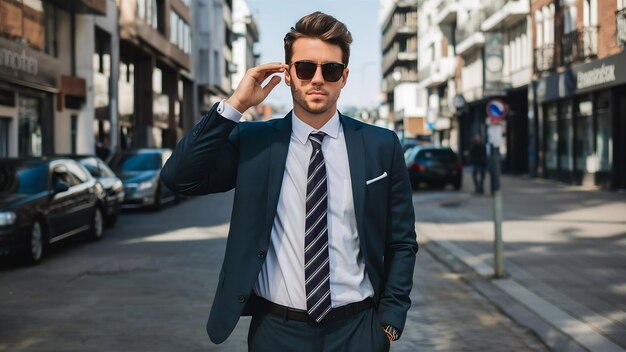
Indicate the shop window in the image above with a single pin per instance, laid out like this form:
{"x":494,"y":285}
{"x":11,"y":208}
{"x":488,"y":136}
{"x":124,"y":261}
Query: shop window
{"x":7,"y":98}
{"x":551,"y":137}
{"x":566,"y":137}
{"x":585,"y":159}
{"x":4,"y":136}
{"x":604,"y":139}
{"x":29,"y":127}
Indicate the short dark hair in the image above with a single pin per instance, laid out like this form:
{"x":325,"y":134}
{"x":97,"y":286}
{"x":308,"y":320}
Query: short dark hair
{"x":322,"y":26}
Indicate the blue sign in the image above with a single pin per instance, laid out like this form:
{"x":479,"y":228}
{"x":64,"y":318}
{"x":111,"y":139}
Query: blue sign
{"x":497,"y":110}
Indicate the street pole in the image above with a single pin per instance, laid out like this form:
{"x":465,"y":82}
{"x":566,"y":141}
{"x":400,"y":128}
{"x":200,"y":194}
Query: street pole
{"x":497,"y":214}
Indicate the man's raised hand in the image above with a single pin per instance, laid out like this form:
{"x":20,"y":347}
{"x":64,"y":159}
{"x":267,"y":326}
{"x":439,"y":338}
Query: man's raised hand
{"x":249,"y":92}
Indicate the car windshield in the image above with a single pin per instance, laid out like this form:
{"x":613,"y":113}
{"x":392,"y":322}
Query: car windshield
{"x":23,"y":178}
{"x":136,"y":162}
{"x":436,"y":155}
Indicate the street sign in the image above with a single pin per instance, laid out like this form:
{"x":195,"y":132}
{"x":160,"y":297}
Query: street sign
{"x":497,"y":109}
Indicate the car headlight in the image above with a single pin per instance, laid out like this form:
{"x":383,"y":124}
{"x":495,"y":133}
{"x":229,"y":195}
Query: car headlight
{"x":7,"y":218}
{"x":145,"y":185}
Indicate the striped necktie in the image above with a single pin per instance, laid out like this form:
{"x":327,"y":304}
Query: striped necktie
{"x":316,"y":266}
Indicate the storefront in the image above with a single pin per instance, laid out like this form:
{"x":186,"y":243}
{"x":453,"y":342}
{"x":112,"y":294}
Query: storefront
{"x":581,"y":123}
{"x":29,"y":80}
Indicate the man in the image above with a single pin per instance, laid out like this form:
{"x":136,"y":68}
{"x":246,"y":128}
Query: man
{"x":478,"y":159}
{"x":322,"y":241}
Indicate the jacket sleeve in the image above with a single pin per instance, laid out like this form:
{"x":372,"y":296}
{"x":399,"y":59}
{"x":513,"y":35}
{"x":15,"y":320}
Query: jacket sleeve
{"x":400,"y":246}
{"x":205,"y":159}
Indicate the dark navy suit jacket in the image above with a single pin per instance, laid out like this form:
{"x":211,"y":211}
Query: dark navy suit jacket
{"x":219,"y":155}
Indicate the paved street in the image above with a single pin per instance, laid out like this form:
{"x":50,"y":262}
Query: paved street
{"x":565,"y":251}
{"x":148,"y":286}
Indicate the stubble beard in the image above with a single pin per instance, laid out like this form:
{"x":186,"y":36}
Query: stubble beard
{"x":299,"y":98}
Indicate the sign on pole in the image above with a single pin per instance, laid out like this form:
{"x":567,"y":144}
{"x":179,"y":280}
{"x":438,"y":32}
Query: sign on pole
{"x":497,"y":110}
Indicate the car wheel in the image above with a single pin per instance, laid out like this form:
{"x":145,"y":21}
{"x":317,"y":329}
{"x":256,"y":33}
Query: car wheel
{"x":36,"y":242}
{"x":97,"y":224}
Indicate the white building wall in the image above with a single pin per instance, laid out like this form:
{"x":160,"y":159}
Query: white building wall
{"x":410,"y":100}
{"x":240,"y":46}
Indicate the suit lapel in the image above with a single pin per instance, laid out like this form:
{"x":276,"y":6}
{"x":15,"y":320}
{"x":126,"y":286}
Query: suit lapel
{"x":356,"y":158}
{"x":278,"y":157}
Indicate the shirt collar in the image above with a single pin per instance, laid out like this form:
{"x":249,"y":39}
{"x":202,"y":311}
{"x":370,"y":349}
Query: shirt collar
{"x":302,"y":131}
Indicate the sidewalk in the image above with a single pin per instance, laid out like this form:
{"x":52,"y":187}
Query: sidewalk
{"x":565,"y":252}
{"x":448,"y":315}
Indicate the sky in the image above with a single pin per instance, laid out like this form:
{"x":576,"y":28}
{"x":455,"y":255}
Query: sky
{"x":275,"y":18}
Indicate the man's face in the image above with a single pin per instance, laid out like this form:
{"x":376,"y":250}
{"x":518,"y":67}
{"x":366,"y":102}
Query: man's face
{"x":314,"y":96}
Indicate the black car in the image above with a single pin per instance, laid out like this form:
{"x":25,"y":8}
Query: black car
{"x":139,"y":171}
{"x":433,"y":165}
{"x":43,"y":201}
{"x":113,"y":187}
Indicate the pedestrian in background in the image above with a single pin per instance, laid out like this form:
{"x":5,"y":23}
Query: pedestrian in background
{"x":478,"y":160}
{"x":322,"y":243}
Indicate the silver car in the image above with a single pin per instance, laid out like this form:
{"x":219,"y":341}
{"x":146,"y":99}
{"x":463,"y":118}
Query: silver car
{"x":139,"y":170}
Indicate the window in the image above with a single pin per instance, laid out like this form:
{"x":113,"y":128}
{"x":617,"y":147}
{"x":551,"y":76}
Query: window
{"x":29,"y":127}
{"x":73,"y":132}
{"x":180,"y":35}
{"x":604,"y":139}
{"x":571,"y":15}
{"x":585,"y":160}
{"x":148,"y":11}
{"x":551,"y":137}
{"x":4,"y":136}
{"x":566,"y":137}
{"x":78,"y":172}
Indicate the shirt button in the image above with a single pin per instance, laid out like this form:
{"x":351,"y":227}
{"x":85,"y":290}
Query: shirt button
{"x":241,"y":299}
{"x":261,"y":254}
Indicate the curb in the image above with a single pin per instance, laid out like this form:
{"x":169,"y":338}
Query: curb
{"x":559,"y":330}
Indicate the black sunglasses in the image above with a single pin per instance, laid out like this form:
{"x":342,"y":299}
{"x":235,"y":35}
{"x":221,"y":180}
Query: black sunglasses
{"x":331,"y":71}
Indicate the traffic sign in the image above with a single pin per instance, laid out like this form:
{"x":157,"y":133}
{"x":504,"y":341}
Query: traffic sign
{"x":497,"y":109}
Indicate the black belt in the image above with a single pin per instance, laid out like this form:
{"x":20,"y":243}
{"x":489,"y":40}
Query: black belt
{"x":335,"y":314}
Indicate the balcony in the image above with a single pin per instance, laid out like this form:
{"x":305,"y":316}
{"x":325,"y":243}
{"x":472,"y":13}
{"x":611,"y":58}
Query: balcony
{"x":468,"y":35}
{"x":437,"y":73}
{"x":405,"y":28}
{"x":394,"y":56}
{"x":447,"y":10}
{"x":579,"y":45}
{"x":504,"y":14}
{"x":544,"y":58}
{"x":400,"y":75}
{"x":620,"y":18}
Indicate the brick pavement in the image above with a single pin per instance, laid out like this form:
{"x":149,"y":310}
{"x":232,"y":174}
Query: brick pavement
{"x":564,"y":245}
{"x":448,"y":315}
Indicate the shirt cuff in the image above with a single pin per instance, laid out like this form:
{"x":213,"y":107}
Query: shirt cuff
{"x":227,"y":111}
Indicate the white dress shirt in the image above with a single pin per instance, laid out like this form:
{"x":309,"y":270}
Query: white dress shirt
{"x":281,"y":279}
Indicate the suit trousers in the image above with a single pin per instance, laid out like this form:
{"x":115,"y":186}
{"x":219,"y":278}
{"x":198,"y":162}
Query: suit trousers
{"x":361,"y":332}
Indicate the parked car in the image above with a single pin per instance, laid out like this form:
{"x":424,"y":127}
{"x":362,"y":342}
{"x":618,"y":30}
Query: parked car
{"x":45,"y":200}
{"x":113,"y":187}
{"x":433,"y":165}
{"x":408,"y":143}
{"x":139,"y":171}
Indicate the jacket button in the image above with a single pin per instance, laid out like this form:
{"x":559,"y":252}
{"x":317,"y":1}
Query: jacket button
{"x":261,"y":254}
{"x":241,"y":299}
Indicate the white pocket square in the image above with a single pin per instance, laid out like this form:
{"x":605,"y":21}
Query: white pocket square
{"x":376,"y":178}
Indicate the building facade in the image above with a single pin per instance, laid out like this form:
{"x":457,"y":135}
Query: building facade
{"x":436,"y":67}
{"x":45,"y":78}
{"x":403,"y":100}
{"x":213,"y":65}
{"x":508,"y":72}
{"x":579,"y":92}
{"x":244,"y":56}
{"x":155,"y":81}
